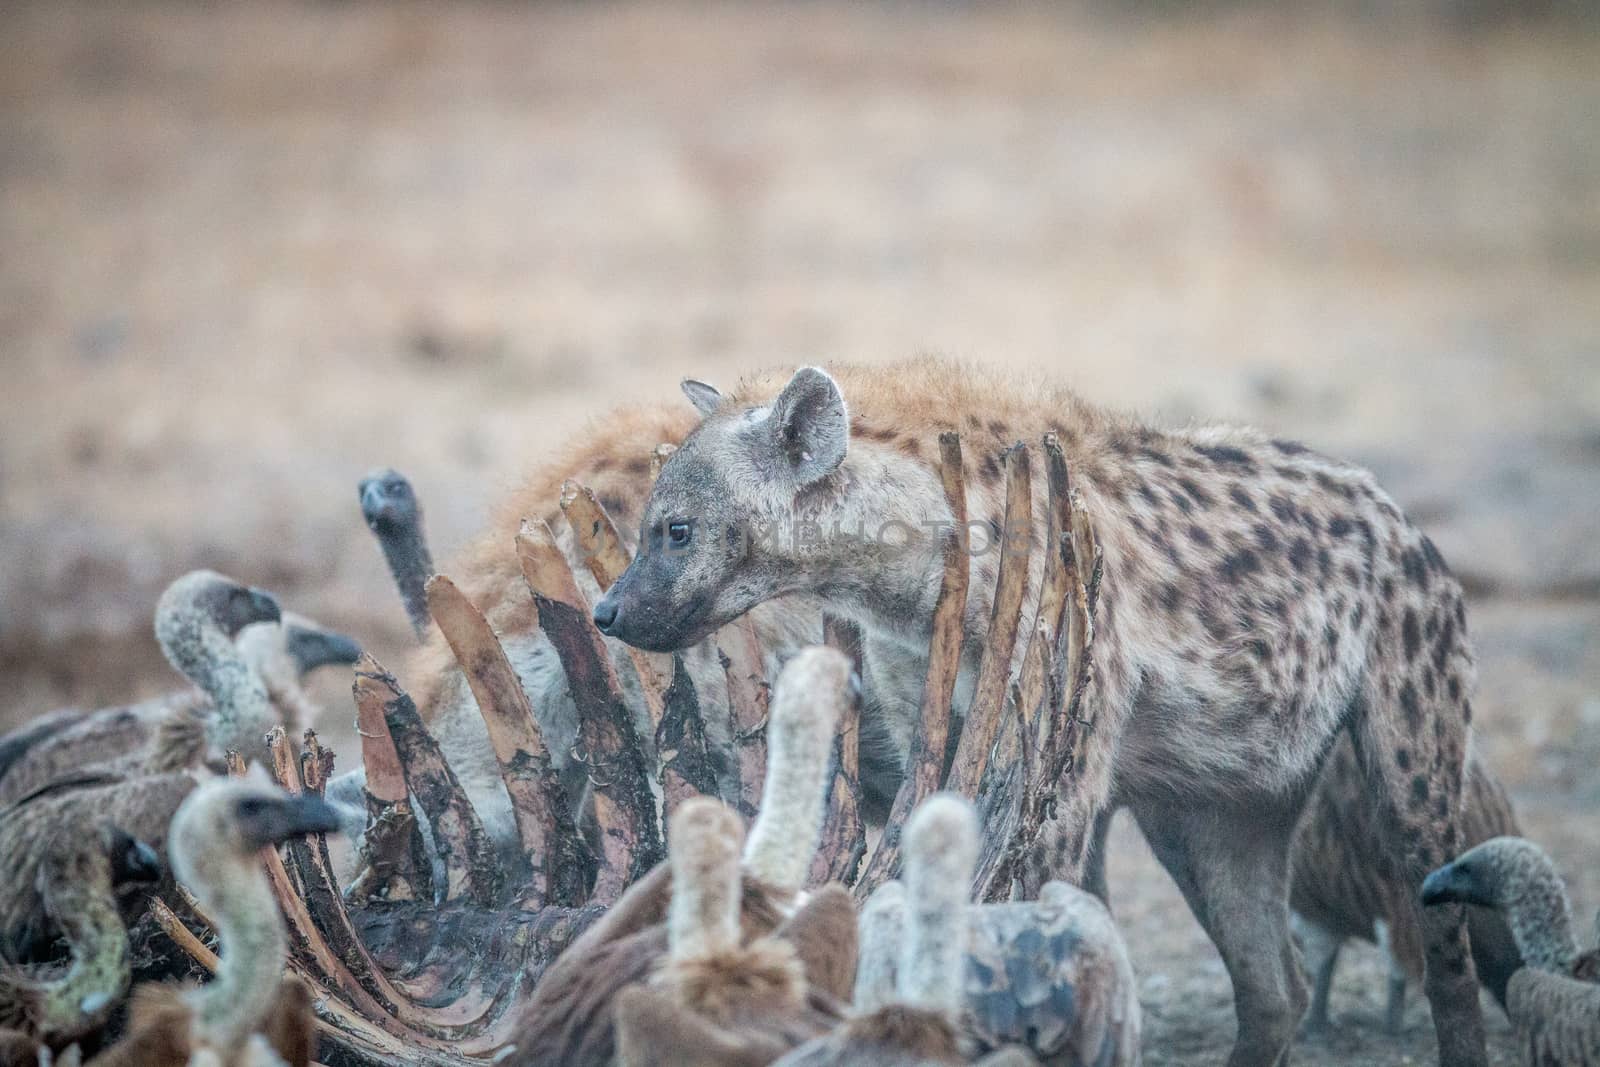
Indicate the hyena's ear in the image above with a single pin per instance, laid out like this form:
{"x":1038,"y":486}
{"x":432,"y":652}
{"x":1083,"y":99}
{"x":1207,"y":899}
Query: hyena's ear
{"x":810,"y":426}
{"x":705,"y":398}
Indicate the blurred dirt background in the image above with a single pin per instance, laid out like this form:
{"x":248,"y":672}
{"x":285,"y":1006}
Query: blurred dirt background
{"x":249,"y":251}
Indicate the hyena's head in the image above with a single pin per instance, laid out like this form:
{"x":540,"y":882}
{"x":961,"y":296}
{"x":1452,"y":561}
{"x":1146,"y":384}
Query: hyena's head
{"x":706,"y":552}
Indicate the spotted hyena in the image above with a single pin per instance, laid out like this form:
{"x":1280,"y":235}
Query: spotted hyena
{"x":1259,"y":599}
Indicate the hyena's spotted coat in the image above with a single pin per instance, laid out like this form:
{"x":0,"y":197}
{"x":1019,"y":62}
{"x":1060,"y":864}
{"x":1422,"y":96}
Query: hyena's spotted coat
{"x":1258,"y":599}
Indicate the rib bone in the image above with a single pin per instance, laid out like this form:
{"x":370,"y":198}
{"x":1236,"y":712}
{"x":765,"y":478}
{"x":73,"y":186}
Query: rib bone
{"x":944,"y":660}
{"x":559,"y":863}
{"x":624,"y":807}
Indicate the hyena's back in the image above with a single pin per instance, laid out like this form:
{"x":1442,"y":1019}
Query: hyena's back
{"x":1254,"y":590}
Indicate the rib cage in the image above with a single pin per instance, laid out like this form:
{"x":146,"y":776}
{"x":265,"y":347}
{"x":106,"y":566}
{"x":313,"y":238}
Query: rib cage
{"x":395,"y":985}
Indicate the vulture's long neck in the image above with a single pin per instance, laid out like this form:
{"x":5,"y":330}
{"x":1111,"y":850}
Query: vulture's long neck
{"x":210,"y":659}
{"x":233,"y":1005}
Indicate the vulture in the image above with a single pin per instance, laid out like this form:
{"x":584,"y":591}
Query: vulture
{"x":394,"y":515}
{"x":232,"y":642}
{"x":924,"y":927}
{"x":249,"y":1014}
{"x":1553,"y":1001}
{"x":568,"y":1017}
{"x":142,"y":805}
{"x":716,"y":999}
{"x":197,"y":621}
{"x":80,"y":878}
{"x":1051,"y":975}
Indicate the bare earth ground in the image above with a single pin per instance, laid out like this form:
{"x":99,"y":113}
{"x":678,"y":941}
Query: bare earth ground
{"x":247,"y":252}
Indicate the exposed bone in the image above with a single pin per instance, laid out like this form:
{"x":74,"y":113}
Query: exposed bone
{"x":389,"y":847}
{"x":397,"y":862}
{"x":316,"y":763}
{"x":989,"y":692}
{"x":182,"y":936}
{"x":312,"y":952}
{"x":308,"y":857}
{"x":1013,"y":769}
{"x":304,"y":939}
{"x":320,"y":926}
{"x":1091,"y":567}
{"x":603,"y":551}
{"x":1052,"y":598}
{"x":285,"y":764}
{"x":349,"y":1038}
{"x":1060,"y":732}
{"x":607,"y":557}
{"x":1065,"y":704}
{"x":1079,"y":674}
{"x":1006,"y":787}
{"x":386,"y":779}
{"x":353,"y":1040}
{"x":330,"y":943}
{"x":560,"y":865}
{"x":1053,"y":710}
{"x":375,"y":1011}
{"x":1027,"y":766}
{"x":384,"y":710}
{"x":470,"y":1018}
{"x":625,"y":808}
{"x":1045,"y":662}
{"x":286,"y":769}
{"x":687,"y":768}
{"x":926,"y":765}
{"x":306,"y":942}
{"x":748,"y":694}
{"x":386,"y":856}
{"x":195,"y":907}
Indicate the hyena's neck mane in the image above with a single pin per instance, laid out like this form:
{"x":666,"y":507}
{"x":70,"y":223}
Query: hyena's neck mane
{"x":917,"y":399}
{"x":889,"y":487}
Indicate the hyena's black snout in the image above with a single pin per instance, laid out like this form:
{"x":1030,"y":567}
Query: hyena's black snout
{"x":607,"y":612}
{"x":644,"y":609}
{"x":622,"y":614}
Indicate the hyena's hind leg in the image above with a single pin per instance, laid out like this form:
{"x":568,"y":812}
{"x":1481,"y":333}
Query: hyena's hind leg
{"x":1411,"y":737}
{"x":1321,"y":948}
{"x":1394,"y":1010}
{"x":1094,"y":864}
{"x":1233,"y":869}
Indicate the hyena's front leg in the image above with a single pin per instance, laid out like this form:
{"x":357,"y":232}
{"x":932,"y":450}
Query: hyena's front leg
{"x":1232,"y":865}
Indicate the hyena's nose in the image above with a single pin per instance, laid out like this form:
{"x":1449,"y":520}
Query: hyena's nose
{"x":605,"y":614}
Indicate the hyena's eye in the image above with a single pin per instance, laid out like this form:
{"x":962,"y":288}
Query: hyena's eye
{"x":679,"y":533}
